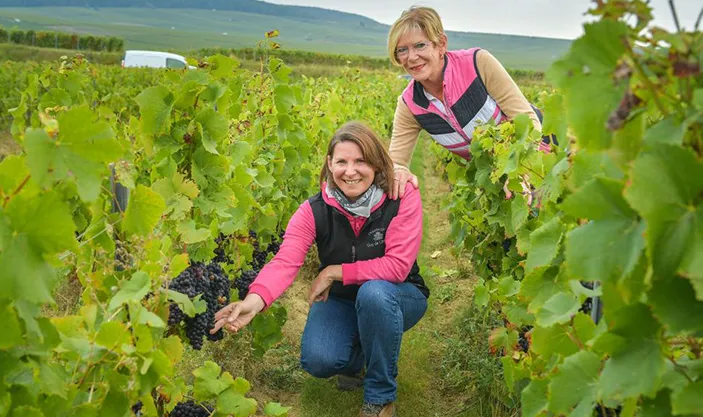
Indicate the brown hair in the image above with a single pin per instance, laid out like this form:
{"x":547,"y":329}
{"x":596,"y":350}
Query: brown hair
{"x":425,"y":19}
{"x":371,"y":148}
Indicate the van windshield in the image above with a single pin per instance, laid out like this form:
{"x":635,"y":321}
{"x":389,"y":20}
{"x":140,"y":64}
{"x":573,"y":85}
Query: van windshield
{"x":174,"y":63}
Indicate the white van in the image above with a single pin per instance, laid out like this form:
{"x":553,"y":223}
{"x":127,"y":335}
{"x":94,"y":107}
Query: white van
{"x":154,"y":59}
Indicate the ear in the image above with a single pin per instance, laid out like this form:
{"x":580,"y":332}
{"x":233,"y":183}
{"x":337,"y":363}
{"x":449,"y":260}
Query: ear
{"x":443,"y":42}
{"x":329,"y":163}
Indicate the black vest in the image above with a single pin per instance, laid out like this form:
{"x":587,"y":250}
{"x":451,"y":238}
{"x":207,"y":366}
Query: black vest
{"x":337,"y":244}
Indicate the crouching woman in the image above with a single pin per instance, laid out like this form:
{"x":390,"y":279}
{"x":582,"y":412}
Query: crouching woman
{"x":368,"y":291}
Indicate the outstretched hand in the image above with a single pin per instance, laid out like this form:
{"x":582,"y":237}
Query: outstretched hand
{"x":237,"y":315}
{"x":402,"y":177}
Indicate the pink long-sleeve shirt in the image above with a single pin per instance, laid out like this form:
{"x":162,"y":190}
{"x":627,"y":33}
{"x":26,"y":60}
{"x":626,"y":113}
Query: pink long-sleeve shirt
{"x":403,"y":240}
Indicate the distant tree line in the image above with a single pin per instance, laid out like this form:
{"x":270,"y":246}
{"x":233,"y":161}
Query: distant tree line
{"x":249,"y":6}
{"x":61,"y":40}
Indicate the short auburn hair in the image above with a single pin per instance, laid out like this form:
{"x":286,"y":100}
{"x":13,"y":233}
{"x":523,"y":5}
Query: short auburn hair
{"x":372,"y":149}
{"x":425,"y":19}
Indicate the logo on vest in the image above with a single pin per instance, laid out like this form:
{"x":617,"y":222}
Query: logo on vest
{"x":378,"y":236}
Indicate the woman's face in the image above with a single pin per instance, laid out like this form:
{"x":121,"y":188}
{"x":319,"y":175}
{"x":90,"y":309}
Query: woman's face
{"x":421,"y":58}
{"x":352,"y":175}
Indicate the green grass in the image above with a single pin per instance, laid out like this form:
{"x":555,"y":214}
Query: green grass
{"x":183,"y":30}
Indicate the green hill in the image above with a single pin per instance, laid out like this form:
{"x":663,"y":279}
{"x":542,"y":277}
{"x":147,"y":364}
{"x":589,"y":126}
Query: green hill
{"x":186,"y":25}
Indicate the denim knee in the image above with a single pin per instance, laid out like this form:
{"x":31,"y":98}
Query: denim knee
{"x":374,"y":295}
{"x":318,"y":363}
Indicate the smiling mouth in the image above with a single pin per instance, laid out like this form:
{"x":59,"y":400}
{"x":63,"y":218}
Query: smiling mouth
{"x":417,"y":67}
{"x":352,"y":182}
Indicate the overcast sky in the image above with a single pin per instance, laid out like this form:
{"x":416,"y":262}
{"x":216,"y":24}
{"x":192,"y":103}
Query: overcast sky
{"x":549,"y":18}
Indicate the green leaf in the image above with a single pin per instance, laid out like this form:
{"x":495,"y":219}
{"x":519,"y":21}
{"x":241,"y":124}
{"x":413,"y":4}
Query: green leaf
{"x":668,"y":131}
{"x":52,"y":380}
{"x":45,"y":220}
{"x":208,"y":383}
{"x":188,"y":306}
{"x":144,"y":211}
{"x":637,"y":364}
{"x":133,"y":290}
{"x":82,"y":150}
{"x":675,"y":305}
{"x":575,"y":383}
{"x":555,"y":121}
{"x":502,"y":338}
{"x":558,"y":309}
{"x":609,"y":246}
{"x":689,"y":400}
{"x":214,"y":129}
{"x":232,"y":402}
{"x":585,"y":76}
{"x":657,"y":407}
{"x":667,"y":183}
{"x":544,"y":244}
{"x":155,"y":105}
{"x":112,"y":334}
{"x":27,"y":411}
{"x":534,"y":398}
{"x":276,"y":410}
{"x":552,"y":340}
{"x":541,"y":285}
{"x":222,"y":66}
{"x":12,"y":330}
{"x":190,"y":234}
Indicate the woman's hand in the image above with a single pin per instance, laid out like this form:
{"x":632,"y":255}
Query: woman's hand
{"x":320,"y":289}
{"x":237,"y":315}
{"x":402,"y":177}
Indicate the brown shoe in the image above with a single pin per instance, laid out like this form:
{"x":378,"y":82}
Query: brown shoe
{"x":375,"y":410}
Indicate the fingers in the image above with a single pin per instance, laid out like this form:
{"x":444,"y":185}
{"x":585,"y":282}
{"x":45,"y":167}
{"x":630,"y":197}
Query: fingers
{"x":224,"y":311}
{"x":414,"y":181}
{"x":218,"y":325}
{"x":394,"y":188}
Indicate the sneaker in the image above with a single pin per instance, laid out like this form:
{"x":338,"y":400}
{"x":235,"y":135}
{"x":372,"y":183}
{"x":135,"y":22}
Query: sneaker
{"x":376,"y":410}
{"x":349,"y":383}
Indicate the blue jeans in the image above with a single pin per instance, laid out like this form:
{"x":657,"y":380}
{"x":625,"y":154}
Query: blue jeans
{"x":341,"y":336}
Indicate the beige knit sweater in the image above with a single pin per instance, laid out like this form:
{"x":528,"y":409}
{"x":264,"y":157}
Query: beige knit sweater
{"x":500,"y":86}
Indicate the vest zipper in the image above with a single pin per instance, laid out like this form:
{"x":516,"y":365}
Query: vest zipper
{"x":353,"y":252}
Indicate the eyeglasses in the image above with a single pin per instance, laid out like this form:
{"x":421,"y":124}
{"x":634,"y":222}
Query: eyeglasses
{"x":404,"y":51}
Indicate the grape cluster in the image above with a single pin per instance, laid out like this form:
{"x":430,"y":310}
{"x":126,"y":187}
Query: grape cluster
{"x":191,"y":409}
{"x":587,"y":305}
{"x":221,"y":255}
{"x":602,"y":411}
{"x":259,"y":260}
{"x":137,"y":408}
{"x":209,"y":281}
{"x":524,"y":339}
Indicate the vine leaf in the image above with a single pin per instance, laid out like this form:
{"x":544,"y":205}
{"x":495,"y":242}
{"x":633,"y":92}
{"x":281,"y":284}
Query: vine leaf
{"x":82,"y":150}
{"x":133,"y":290}
{"x":575,"y":384}
{"x":534,"y":398}
{"x":636,"y":364}
{"x":558,"y":309}
{"x":155,"y":105}
{"x":667,"y":189}
{"x":611,"y":243}
{"x":144,"y":211}
{"x":544,"y":244}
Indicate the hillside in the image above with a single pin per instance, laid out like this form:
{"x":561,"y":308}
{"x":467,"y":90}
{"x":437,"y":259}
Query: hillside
{"x":186,"y":25}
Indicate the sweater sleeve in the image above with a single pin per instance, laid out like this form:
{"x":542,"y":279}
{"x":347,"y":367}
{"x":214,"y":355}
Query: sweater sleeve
{"x":406,"y":130}
{"x":277,"y":275}
{"x":503,"y":88}
{"x":403,"y":239}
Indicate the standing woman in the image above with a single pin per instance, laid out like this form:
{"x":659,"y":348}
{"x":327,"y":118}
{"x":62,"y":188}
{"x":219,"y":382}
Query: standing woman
{"x":369,"y":290}
{"x":451,"y":92}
